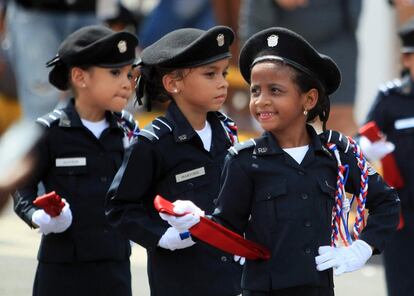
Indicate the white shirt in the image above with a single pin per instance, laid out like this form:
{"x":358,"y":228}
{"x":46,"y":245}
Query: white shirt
{"x":205,"y":136}
{"x":297,"y":153}
{"x":96,"y":127}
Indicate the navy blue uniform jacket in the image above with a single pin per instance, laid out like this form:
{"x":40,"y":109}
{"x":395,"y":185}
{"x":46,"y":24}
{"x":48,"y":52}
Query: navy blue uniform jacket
{"x":287,"y":207}
{"x":165,"y":149}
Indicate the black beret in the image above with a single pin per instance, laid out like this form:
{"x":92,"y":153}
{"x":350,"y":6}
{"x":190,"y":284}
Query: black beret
{"x":189,"y":47}
{"x":282,"y":44}
{"x":406,"y":34}
{"x":91,"y":46}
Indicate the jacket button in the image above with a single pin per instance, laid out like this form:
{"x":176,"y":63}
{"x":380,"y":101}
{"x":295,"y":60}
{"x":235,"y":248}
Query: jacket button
{"x":304,"y":196}
{"x":307,"y":250}
{"x":103,"y":179}
{"x":223,"y":259}
{"x":308,"y":223}
{"x":301,"y":173}
{"x":268,"y":196}
{"x":190,"y":185}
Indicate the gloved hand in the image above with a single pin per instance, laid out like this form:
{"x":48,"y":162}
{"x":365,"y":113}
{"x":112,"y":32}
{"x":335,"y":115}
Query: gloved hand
{"x":172,"y":240}
{"x":374,"y":151}
{"x":57,"y":224}
{"x":183,"y":223}
{"x":239,"y":259}
{"x":343,"y":259}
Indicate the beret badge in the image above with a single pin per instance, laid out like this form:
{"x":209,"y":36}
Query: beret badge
{"x":220,"y":40}
{"x":272,"y":40}
{"x":122,"y":46}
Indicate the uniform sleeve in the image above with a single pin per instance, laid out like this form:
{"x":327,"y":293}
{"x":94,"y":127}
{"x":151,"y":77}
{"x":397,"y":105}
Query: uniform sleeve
{"x":129,"y":202}
{"x":378,"y":112}
{"x":24,"y":196}
{"x":234,"y":202}
{"x":382,"y":203}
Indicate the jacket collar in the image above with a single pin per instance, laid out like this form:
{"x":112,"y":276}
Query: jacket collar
{"x":182,"y":129}
{"x":267,"y":144}
{"x":70,"y":117}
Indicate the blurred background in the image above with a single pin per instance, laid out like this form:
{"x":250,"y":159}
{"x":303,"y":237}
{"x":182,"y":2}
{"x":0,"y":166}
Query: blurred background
{"x":369,"y":53}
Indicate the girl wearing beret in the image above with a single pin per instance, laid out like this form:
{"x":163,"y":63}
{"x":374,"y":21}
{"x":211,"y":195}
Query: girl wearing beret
{"x":82,"y":148}
{"x":282,"y":188}
{"x":180,"y":156}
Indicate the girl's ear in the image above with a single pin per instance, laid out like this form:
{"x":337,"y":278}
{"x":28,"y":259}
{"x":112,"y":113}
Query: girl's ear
{"x":78,"y":77}
{"x":170,"y":84}
{"x":311,"y":100}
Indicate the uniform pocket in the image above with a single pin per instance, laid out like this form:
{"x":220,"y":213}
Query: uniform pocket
{"x":71,"y":171}
{"x":272,"y":204}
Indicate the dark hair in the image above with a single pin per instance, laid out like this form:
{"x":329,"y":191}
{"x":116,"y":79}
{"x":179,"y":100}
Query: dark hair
{"x":323,"y":106}
{"x":152,"y":85}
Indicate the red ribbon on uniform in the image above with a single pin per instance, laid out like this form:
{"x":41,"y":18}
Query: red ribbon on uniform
{"x":217,"y":235}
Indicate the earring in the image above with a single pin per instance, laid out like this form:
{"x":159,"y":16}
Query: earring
{"x":305,"y":112}
{"x":83,"y":85}
{"x":175,"y":90}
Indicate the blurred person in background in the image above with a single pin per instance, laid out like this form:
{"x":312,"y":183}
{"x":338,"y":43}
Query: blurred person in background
{"x":329,"y":25}
{"x":170,"y":15}
{"x":393,"y":112}
{"x":35,"y":28}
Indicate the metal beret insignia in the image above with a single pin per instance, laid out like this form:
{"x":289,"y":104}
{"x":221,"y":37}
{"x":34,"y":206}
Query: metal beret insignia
{"x":272,"y":40}
{"x":122,"y":46}
{"x":220,"y":40}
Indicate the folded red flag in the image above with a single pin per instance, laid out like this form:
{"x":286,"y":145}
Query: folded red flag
{"x":51,"y":203}
{"x":217,"y":235}
{"x":390,"y":171}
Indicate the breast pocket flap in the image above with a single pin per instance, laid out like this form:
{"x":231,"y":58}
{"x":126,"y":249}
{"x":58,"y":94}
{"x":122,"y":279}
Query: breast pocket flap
{"x":278,"y":189}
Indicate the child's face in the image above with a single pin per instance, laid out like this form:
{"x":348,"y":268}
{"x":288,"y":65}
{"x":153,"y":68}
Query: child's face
{"x":203,"y":89}
{"x":107,"y":89}
{"x":275,"y":100}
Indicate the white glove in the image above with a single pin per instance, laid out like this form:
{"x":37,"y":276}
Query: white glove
{"x":375,"y":150}
{"x":343,"y":259}
{"x":172,"y":240}
{"x":56,"y":224}
{"x":239,"y":259}
{"x":183,"y":223}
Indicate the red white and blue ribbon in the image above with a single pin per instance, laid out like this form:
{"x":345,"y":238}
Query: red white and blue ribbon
{"x":342,"y":205}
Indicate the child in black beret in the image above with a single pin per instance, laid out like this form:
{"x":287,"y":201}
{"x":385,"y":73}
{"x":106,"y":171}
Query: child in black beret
{"x":286,"y":189}
{"x":180,"y":156}
{"x":83,"y":146}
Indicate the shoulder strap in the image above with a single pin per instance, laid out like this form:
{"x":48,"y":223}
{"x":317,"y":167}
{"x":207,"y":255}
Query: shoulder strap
{"x":158,"y":128}
{"x":234,"y":150}
{"x":50,"y":118}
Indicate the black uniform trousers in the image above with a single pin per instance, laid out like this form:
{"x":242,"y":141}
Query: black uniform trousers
{"x":295,"y":291}
{"x":105,"y":278}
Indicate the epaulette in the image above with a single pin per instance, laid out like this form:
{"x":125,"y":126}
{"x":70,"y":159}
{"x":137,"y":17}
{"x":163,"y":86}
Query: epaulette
{"x":56,"y":115}
{"x":234,"y":150}
{"x":158,"y":128}
{"x":229,"y":127}
{"x":391,"y":86}
{"x":334,"y":137}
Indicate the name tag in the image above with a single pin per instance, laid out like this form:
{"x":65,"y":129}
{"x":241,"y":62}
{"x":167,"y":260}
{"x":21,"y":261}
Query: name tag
{"x":404,"y":123}
{"x":190,"y":175}
{"x":71,"y":161}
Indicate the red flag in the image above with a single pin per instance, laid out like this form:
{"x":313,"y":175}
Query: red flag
{"x":217,"y":235}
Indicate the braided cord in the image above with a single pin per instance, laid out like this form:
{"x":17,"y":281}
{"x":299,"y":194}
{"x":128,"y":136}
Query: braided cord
{"x":340,"y":212}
